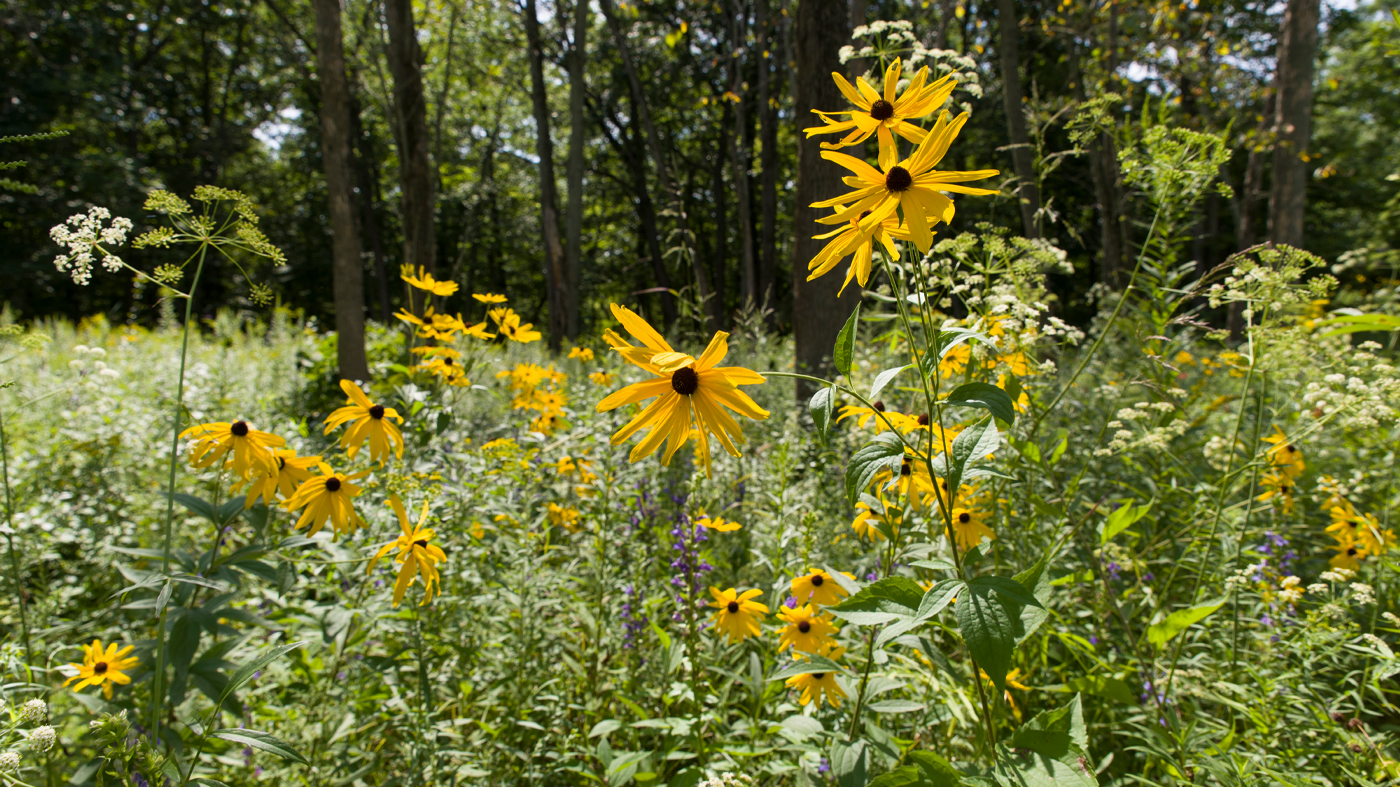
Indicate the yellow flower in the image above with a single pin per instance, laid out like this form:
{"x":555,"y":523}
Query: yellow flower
{"x":417,"y":556}
{"x":103,"y":667}
{"x":1284,"y":454}
{"x":904,"y":423}
{"x":248,"y":451}
{"x":425,"y":281}
{"x":807,"y":630}
{"x":1278,"y":485}
{"x":1184,"y":358}
{"x":508,"y":325}
{"x":290,"y":471}
{"x":817,"y":587}
{"x":546,"y":422}
{"x":327,"y":496}
{"x":566,"y":518}
{"x":969,"y":528}
{"x":602,"y":379}
{"x":881,"y":115}
{"x":499,"y":444}
{"x":955,"y":361}
{"x":738,"y":615}
{"x":864,"y":525}
{"x":489,"y":297}
{"x":1349,"y":556}
{"x":910,"y":185}
{"x":1013,"y":681}
{"x":815,"y":686}
{"x":1348,"y":527}
{"x":860,"y":241}
{"x":717,"y":524}
{"x":691,"y":394}
{"x":581,"y":353}
{"x":367,"y":420}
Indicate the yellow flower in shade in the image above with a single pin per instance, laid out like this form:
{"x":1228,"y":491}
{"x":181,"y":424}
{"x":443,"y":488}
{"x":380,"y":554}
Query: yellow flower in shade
{"x":853,"y":239}
{"x":1349,"y":555}
{"x":738,"y":614}
{"x":887,"y":114}
{"x":367,"y":420}
{"x":489,"y":297}
{"x":425,"y":281}
{"x":566,"y":518}
{"x":246,"y":450}
{"x":103,"y":667}
{"x":1279,"y":488}
{"x":913,"y":482}
{"x":291,"y":471}
{"x":1023,"y":402}
{"x":864,"y":523}
{"x":817,"y":685}
{"x":1013,"y":681}
{"x":418,"y":556}
{"x":718,"y":524}
{"x":911,"y":185}
{"x":817,"y":587}
{"x":1284,"y":454}
{"x":691,"y":394}
{"x":508,"y":325}
{"x":955,"y":361}
{"x":327,"y":497}
{"x":581,"y":353}
{"x":602,"y":379}
{"x":807,"y":630}
{"x":969,"y":528}
{"x":1348,"y":526}
{"x":863,"y":415}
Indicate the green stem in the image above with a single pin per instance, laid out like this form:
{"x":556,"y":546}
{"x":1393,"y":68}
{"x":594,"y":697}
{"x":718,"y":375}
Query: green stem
{"x":10,"y":539}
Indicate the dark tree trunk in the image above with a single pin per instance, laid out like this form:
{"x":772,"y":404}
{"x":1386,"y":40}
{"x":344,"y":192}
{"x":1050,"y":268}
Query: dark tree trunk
{"x":555,"y":277}
{"x":367,"y":178}
{"x":1027,"y":192}
{"x":348,"y":281}
{"x":573,"y":216}
{"x":1293,"y":84}
{"x":739,"y":156}
{"x":1103,"y":169}
{"x":721,"y":210}
{"x":767,"y":160}
{"x":945,"y":17}
{"x":415,"y":170}
{"x":817,"y":312}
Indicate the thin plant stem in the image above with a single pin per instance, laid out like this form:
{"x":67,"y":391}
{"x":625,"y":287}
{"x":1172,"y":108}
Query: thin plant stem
{"x":10,"y":539}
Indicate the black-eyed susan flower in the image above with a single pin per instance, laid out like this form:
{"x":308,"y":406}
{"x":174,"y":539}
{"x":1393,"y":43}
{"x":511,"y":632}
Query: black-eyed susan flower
{"x":717,"y":524}
{"x":489,"y":297}
{"x":969,"y":529}
{"x":367,"y":421}
{"x":807,"y":630}
{"x":1349,"y":555}
{"x":817,"y":587}
{"x":424,"y":280}
{"x":508,"y":325}
{"x":563,"y":516}
{"x":601,"y":379}
{"x":817,"y":685}
{"x":691,"y":394}
{"x":1278,"y":487}
{"x":858,"y":243}
{"x":1350,"y":526}
{"x":245,"y":449}
{"x":864,"y":523}
{"x":884,"y":114}
{"x":738,"y":614}
{"x":1284,"y":454}
{"x":327,"y":496}
{"x":418,"y":556}
{"x":291,"y":471}
{"x":581,"y":353}
{"x":880,"y":416}
{"x":911,"y":186}
{"x":103,"y":667}
{"x":1013,"y":681}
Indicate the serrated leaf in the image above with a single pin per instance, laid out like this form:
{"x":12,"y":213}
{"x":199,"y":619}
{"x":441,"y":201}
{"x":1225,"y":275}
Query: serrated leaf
{"x":820,"y":407}
{"x":1007,"y":588}
{"x":885,"y":451}
{"x":261,"y":740}
{"x":985,"y":396}
{"x":1037,"y":580}
{"x":848,"y":763}
{"x":892,"y":598}
{"x":988,"y":631}
{"x":1161,"y":633}
{"x":938,"y":597}
{"x":845,"y":350}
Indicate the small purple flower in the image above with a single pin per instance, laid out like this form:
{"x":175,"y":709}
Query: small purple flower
{"x":824,"y":766}
{"x":1093,"y":640}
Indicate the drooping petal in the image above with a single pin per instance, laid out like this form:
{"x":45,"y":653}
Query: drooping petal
{"x":633,"y":393}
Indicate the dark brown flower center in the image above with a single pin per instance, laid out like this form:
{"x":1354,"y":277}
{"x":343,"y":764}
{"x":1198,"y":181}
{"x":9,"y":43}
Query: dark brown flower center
{"x":1284,"y":489}
{"x":878,"y":407}
{"x":733,"y":607}
{"x":422,"y":542}
{"x":898,"y":179}
{"x":818,"y":675}
{"x":882,"y":110}
{"x":239,"y":428}
{"x":904,"y":468}
{"x":923,"y":419}
{"x":447,"y":361}
{"x":281,"y":463}
{"x":685,"y":380}
{"x":376,"y":412}
{"x":332,"y":484}
{"x":817,"y":580}
{"x":1351,"y":551}
{"x":804,"y":626}
{"x":100,"y":668}
{"x":1291,"y":448}
{"x":964,"y":517}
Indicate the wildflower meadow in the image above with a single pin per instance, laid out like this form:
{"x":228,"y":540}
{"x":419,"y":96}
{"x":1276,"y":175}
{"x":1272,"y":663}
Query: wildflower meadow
{"x":982,"y":540}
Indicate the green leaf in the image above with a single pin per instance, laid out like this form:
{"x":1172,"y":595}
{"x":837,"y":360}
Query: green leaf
{"x":904,"y":776}
{"x":988,"y":631}
{"x":1121,"y":518}
{"x":845,"y":349}
{"x":245,"y":672}
{"x":890,"y":599}
{"x":820,"y":407}
{"x":261,"y":740}
{"x":813,"y":664}
{"x":1050,"y":749}
{"x":886,"y":450}
{"x":938,"y":597}
{"x":1007,"y":588}
{"x":1060,"y":447}
{"x":885,"y":378}
{"x":1104,"y":686}
{"x":1037,"y":578}
{"x":1161,"y":633}
{"x":604,"y":727}
{"x":935,"y":564}
{"x":848,"y":763}
{"x":973,"y":443}
{"x":197,"y":506}
{"x":986,"y":396}
{"x":1052,"y":732}
{"x":896,"y":706}
{"x":1355,"y":323}
{"x":286,"y":577}
{"x":936,"y":771}
{"x":184,"y":641}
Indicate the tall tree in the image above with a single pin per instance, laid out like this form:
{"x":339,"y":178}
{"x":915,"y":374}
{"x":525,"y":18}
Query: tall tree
{"x":1027,"y":192}
{"x":416,"y":202}
{"x":767,"y":158}
{"x":573,"y":216}
{"x":817,"y":312}
{"x":347,"y":282}
{"x":740,"y":156}
{"x":1293,"y":86}
{"x":555,"y":278}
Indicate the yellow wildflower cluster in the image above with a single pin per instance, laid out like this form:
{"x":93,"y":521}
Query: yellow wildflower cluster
{"x":540,"y":390}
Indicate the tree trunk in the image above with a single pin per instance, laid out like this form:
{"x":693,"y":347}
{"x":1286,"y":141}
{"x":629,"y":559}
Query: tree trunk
{"x":817,"y":313}
{"x":573,"y":217}
{"x":739,"y":156}
{"x":1293,"y":84}
{"x":721,"y":212}
{"x":945,"y":17}
{"x":555,"y":278}
{"x":767,"y":160}
{"x":415,"y":169}
{"x":635,"y":158}
{"x":367,"y":179}
{"x":347,"y":280}
{"x":1027,"y":192}
{"x":1103,"y":169}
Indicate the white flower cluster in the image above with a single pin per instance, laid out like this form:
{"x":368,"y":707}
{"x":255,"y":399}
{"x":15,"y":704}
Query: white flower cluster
{"x":727,"y":780}
{"x":9,"y":761}
{"x":1391,"y":618}
{"x":1362,"y":593}
{"x":1337,"y":575}
{"x":1378,"y":644}
{"x":34,"y":711}
{"x":1319,"y":588}
{"x":86,"y":240}
{"x":92,"y":355}
{"x":1291,"y":590}
{"x":1365,"y":398}
{"x":42,"y":738}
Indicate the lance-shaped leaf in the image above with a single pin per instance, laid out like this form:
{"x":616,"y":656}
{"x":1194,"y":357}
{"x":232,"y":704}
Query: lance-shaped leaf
{"x":844,"y":352}
{"x":885,"y":451}
{"x":1161,"y":633}
{"x":890,"y":599}
{"x":988,"y":631}
{"x":986,"y":396}
{"x":820,"y":407}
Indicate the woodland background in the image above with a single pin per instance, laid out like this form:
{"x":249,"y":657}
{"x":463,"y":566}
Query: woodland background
{"x":575,"y":154}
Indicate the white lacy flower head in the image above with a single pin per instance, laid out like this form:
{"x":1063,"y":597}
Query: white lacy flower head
{"x":9,"y":761}
{"x":88,"y":238}
{"x":42,"y":738}
{"x":727,"y":780}
{"x":34,"y":711}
